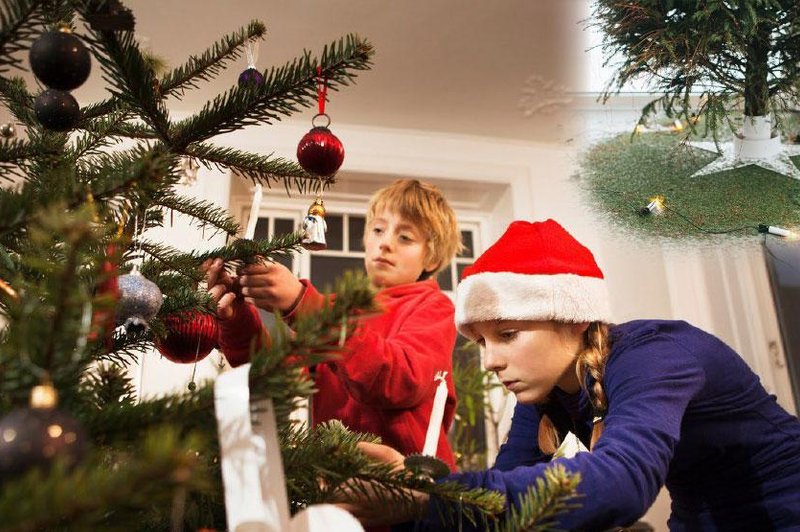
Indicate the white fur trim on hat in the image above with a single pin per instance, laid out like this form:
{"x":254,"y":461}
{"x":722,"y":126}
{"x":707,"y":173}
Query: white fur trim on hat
{"x":562,"y":297}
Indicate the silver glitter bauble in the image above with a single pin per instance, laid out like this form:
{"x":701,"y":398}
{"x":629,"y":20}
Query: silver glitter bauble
{"x":139,"y":301}
{"x":7,"y":131}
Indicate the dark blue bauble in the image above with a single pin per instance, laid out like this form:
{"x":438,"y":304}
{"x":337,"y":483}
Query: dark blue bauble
{"x":36,"y":437}
{"x":57,"y":110}
{"x":251,"y":78}
{"x":60,"y":60}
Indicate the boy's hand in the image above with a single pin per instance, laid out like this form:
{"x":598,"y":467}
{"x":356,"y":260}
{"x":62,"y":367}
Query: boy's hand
{"x":222,"y":287}
{"x":270,"y":286}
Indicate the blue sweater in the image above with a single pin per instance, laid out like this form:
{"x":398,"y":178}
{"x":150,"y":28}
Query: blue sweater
{"x":683,"y":410}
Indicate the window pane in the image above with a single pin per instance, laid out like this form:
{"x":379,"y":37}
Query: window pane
{"x":284,"y":226}
{"x":468,"y":436}
{"x":355,"y":232}
{"x":445,"y":279}
{"x":461,"y":270}
{"x":286,"y":260}
{"x":466,"y":239}
{"x":334,"y":236}
{"x":782,"y":260}
{"x":262,"y":229}
{"x":325,"y":270}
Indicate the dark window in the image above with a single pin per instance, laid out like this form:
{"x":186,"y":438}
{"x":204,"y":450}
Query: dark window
{"x":284,"y":226}
{"x":326,"y":270}
{"x":466,"y":239}
{"x":783,"y":262}
{"x":445,"y":280}
{"x":460,"y":271}
{"x":262,"y":229}
{"x":333,"y":236}
{"x":468,"y":434}
{"x":355,"y":232}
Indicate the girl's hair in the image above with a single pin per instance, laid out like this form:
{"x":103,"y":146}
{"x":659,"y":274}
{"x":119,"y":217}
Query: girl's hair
{"x":591,"y":361}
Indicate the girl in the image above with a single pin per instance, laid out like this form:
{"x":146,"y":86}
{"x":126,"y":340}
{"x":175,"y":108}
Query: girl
{"x":657,"y":402}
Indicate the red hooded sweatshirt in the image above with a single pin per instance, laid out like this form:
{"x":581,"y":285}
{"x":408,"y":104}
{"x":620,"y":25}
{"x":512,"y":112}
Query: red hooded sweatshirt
{"x":384,"y":381}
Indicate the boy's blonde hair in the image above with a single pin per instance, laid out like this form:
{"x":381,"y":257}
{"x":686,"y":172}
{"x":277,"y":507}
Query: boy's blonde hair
{"x":423,"y":205}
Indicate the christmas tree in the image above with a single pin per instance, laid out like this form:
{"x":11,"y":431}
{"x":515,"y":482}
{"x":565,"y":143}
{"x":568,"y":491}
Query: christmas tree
{"x":730,"y":55}
{"x":83,"y":292}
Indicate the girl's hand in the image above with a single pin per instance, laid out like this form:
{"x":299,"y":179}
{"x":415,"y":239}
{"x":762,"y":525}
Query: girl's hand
{"x":383,"y":453}
{"x":372,"y":510}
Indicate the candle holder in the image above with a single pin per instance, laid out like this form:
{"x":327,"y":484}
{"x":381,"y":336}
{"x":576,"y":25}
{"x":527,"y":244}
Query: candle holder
{"x":427,"y":466}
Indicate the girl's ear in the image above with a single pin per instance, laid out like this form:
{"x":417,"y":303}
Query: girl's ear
{"x":580,"y":328}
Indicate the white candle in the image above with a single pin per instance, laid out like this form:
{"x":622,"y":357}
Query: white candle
{"x":254,"y":208}
{"x":435,"y":422}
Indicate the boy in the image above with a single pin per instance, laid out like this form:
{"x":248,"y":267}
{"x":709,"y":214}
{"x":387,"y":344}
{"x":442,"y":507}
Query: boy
{"x":383,"y":383}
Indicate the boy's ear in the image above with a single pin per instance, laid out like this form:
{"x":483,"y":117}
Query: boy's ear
{"x":430,"y":266}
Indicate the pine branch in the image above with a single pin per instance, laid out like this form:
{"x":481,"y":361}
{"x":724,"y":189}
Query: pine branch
{"x":99,"y":133}
{"x":125,"y":349}
{"x":100,"y":109}
{"x":117,"y":181}
{"x":19,"y":26}
{"x":284,"y":91}
{"x":131,"y":77}
{"x":121,"y":180}
{"x":182,"y":297}
{"x":552,"y":495}
{"x":242,"y":250}
{"x":258,"y":168}
{"x":14,"y":94}
{"x":53,"y":295}
{"x":166,"y":259}
{"x":14,"y":154}
{"x":208,"y":65}
{"x":14,"y":208}
{"x":325,"y":465}
{"x":151,"y":475}
{"x":108,"y":384}
{"x":205,"y":212}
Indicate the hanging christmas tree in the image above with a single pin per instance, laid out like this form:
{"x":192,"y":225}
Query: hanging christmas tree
{"x":714,"y":60}
{"x":83,"y":293}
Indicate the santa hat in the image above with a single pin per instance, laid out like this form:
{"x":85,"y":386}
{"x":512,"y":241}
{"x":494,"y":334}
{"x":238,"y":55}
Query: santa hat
{"x":535,"y":271}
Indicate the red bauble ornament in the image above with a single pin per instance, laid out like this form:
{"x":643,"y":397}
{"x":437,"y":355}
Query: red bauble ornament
{"x":320,"y":152}
{"x":189,"y":337}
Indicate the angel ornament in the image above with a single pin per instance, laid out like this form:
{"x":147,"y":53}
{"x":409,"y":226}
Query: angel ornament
{"x":314,"y":227}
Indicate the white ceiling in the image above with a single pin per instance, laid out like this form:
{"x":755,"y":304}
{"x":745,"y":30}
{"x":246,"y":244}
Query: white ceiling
{"x":455,"y":66}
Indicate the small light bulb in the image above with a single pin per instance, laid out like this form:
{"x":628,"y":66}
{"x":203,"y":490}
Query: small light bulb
{"x":778,"y":231}
{"x":44,"y":396}
{"x":655,"y":207}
